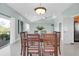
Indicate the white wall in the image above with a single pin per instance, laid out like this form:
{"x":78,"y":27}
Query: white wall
{"x":47,"y":27}
{"x":68,"y":30}
{"x":26,"y":27}
{"x":13,"y":31}
{"x":59,"y":20}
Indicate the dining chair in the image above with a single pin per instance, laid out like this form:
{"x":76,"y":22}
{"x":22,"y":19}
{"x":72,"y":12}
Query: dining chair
{"x":33,"y":44}
{"x":23,"y":36}
{"x":58,"y":40}
{"x":50,"y":44}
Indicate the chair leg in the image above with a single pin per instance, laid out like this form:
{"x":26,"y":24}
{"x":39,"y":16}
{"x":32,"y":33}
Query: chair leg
{"x":51,"y":54}
{"x":59,"y":51}
{"x":56,"y":51}
{"x":30,"y":54}
{"x":24,"y":52}
{"x":21,"y":50}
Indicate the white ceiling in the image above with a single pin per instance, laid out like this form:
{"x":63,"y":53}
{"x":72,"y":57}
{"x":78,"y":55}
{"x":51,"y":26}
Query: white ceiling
{"x":72,"y":10}
{"x":27,"y":9}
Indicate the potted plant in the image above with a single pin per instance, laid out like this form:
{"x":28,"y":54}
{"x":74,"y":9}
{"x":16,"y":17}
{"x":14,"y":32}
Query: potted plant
{"x":40,"y":28}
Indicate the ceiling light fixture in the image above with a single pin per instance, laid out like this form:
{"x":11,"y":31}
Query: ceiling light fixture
{"x":40,"y":10}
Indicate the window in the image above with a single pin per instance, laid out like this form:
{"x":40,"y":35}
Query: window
{"x":4,"y":31}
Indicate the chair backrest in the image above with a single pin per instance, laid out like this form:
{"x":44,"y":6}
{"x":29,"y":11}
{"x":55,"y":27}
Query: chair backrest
{"x":33,"y":37}
{"x":33,"y":44}
{"x":50,"y":39}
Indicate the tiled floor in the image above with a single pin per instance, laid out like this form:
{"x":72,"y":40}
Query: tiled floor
{"x":67,"y":49}
{"x":5,"y":51}
{"x":70,"y":49}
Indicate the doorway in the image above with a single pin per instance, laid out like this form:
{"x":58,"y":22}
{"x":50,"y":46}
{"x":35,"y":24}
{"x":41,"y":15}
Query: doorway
{"x":76,"y":29}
